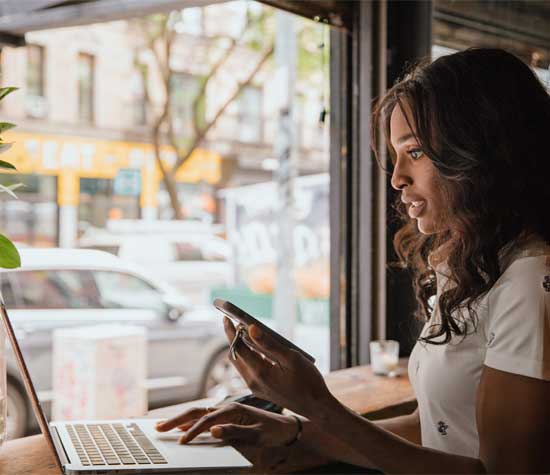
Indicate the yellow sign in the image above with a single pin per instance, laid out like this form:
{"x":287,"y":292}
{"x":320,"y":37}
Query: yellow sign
{"x":71,"y":158}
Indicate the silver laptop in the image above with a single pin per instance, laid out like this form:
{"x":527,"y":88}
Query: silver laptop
{"x":121,"y":446}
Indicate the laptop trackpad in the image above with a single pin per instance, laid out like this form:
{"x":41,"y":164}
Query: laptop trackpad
{"x":170,"y":439}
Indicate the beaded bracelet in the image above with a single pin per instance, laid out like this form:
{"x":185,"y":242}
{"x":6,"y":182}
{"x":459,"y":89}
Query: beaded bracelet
{"x":298,"y":434}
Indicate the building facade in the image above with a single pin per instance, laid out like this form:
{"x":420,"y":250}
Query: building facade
{"x":87,"y":102}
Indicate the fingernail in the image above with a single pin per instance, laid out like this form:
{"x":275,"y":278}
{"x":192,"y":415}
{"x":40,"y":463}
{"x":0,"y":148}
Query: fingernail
{"x":159,"y":424}
{"x":255,"y":332}
{"x":182,"y":439}
{"x":216,"y":431}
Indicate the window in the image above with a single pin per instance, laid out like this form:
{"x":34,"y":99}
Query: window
{"x":85,"y":87}
{"x":35,"y":71}
{"x":43,"y":289}
{"x":186,"y":251}
{"x":121,"y":290}
{"x":31,"y":219}
{"x":99,"y":202}
{"x":183,"y":91}
{"x":250,"y":114}
{"x":35,"y":102}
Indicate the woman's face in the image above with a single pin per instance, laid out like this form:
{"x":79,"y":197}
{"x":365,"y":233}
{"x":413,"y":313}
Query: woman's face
{"x":415,"y":176}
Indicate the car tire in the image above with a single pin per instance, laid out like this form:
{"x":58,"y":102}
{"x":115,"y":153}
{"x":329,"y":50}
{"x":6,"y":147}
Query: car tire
{"x":221,"y":379}
{"x":18,"y":413}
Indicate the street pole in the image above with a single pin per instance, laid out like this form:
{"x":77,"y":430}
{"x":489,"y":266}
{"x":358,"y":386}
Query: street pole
{"x":284,"y":300}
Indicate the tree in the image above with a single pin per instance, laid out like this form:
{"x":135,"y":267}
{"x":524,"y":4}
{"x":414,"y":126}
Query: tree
{"x":160,"y":34}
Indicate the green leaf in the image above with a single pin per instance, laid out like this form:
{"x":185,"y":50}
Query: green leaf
{"x":9,"y":256}
{"x":7,"y":165}
{"x":4,"y":147}
{"x":4,"y":91}
{"x":6,"y":126}
{"x":9,"y":189}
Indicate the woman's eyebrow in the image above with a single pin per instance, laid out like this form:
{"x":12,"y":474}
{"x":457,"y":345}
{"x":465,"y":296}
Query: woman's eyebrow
{"x":405,"y":137}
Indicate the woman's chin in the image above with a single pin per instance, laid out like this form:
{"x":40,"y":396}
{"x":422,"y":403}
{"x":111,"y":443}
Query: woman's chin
{"x":426,"y":226}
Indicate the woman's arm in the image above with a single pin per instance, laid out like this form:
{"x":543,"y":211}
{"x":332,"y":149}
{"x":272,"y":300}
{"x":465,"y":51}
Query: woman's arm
{"x":375,"y":446}
{"x":317,"y":447}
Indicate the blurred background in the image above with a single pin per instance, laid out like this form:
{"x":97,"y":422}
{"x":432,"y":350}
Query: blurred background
{"x":167,"y":160}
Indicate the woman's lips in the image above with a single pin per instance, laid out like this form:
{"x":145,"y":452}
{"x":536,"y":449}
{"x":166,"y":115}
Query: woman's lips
{"x":416,"y":208}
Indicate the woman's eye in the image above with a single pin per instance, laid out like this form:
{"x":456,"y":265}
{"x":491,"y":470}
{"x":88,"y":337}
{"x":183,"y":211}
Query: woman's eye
{"x":415,"y":154}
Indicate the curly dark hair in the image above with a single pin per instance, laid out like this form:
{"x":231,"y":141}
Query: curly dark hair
{"x":483,"y":118}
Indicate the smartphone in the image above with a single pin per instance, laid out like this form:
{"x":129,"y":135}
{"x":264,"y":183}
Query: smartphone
{"x":244,"y":318}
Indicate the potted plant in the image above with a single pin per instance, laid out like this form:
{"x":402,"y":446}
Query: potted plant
{"x":9,"y":259}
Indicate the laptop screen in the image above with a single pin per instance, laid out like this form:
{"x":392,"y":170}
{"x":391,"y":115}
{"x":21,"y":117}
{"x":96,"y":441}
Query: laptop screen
{"x":29,"y":387}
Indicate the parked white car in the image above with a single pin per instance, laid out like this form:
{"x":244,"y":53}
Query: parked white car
{"x":59,"y":288}
{"x":192,"y":263}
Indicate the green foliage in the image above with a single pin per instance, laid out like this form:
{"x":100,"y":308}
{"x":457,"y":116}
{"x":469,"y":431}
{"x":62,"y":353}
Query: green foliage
{"x":9,"y":257}
{"x":4,"y":91}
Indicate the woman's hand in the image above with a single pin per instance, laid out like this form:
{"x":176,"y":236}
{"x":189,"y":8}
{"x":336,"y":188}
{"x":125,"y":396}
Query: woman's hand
{"x":236,"y":424}
{"x":292,"y":382}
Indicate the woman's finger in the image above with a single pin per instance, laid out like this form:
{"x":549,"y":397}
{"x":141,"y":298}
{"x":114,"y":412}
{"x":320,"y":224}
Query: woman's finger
{"x":221,"y":416}
{"x":229,"y":329}
{"x":187,"y":425}
{"x":182,"y":419}
{"x":242,"y":352}
{"x":267,"y":343}
{"x":234,"y":432}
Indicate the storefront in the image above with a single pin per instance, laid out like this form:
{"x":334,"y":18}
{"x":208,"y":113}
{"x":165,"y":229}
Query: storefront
{"x":72,"y":183}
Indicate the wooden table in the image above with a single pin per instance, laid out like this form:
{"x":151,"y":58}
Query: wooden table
{"x":358,"y":388}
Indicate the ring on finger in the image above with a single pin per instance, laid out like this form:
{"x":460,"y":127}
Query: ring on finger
{"x":232,"y":347}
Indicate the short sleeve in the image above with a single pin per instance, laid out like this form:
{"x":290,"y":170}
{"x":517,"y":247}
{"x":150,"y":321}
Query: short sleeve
{"x":518,"y":324}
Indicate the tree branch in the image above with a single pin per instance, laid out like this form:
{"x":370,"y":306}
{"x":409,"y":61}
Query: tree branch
{"x":234,"y":43}
{"x":202,"y":133}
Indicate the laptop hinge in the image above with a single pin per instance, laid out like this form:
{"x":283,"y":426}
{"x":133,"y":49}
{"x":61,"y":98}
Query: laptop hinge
{"x":59,"y":446}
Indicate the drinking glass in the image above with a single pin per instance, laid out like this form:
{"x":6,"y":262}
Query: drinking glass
{"x":384,"y":357}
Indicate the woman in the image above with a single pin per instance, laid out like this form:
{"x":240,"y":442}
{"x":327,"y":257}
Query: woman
{"x":467,"y":135}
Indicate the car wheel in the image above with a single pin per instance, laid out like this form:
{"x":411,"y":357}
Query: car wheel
{"x":17,"y":413}
{"x":222,"y":379}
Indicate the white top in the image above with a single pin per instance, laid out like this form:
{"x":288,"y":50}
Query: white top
{"x":513,"y":335}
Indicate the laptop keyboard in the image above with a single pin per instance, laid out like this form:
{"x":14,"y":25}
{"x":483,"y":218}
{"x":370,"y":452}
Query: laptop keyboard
{"x":113,"y":444}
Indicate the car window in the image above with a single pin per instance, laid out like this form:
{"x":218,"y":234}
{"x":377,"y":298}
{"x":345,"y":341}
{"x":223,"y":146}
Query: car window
{"x":7,"y":291}
{"x":186,"y":251}
{"x":41,"y":289}
{"x":122,"y":290}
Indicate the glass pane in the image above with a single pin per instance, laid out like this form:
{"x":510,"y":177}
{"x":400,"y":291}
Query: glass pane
{"x":99,"y":203}
{"x":85,"y":87}
{"x":35,"y":70}
{"x":243,"y":215}
{"x":120,"y":290}
{"x":32,"y":217}
{"x":42,"y":289}
{"x":7,"y":291}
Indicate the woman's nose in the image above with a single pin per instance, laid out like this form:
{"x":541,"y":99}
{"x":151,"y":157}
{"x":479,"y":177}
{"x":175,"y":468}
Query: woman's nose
{"x":400,"y":178}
